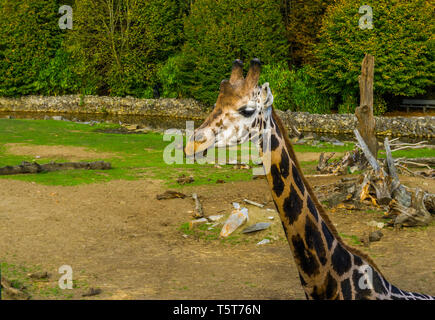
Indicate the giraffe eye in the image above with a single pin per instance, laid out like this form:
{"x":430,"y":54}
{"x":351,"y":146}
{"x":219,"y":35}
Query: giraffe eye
{"x":244,"y":111}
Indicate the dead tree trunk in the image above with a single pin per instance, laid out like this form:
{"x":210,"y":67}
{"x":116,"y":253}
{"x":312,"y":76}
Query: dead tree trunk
{"x":364,"y":113}
{"x":381,"y":185}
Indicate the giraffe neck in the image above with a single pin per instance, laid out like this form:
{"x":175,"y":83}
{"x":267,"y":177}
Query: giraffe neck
{"x":328,"y":269}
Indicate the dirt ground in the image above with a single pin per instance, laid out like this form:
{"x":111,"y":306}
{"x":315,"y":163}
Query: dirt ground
{"x":55,"y":152}
{"x":116,"y":236}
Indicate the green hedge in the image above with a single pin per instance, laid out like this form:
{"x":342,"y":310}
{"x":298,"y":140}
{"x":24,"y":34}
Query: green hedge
{"x":220,"y":31}
{"x":295,"y":89}
{"x":187,"y":48}
{"x":118,"y":48}
{"x":401,"y":41}
{"x":29,"y":39}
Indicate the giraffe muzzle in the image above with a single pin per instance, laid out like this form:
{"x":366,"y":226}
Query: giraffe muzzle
{"x":198,"y":143}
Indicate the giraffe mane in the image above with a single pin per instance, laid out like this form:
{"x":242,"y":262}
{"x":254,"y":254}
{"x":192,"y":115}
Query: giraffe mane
{"x":319,"y":207}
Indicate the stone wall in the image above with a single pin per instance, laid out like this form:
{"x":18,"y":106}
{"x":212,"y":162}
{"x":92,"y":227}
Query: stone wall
{"x":346,"y":123}
{"x":180,"y":108}
{"x":191,"y":109}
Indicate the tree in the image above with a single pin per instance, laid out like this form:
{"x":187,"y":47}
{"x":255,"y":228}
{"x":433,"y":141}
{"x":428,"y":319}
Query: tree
{"x":29,"y":38}
{"x":401,"y":41}
{"x":119,"y":43}
{"x":303,"y":20}
{"x":220,"y":31}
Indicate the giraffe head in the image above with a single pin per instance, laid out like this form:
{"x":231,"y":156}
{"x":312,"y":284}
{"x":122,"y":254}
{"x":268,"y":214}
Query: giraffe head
{"x":239,"y":113}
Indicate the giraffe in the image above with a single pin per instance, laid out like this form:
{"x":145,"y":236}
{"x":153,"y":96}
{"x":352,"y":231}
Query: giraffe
{"x":327,"y":267}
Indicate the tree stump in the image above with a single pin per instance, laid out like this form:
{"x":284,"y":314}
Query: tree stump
{"x":364,"y":113}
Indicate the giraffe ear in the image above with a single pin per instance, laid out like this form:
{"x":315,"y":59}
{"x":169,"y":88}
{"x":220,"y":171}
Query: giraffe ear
{"x":266,"y":95}
{"x":253,"y":74}
{"x":237,"y":72}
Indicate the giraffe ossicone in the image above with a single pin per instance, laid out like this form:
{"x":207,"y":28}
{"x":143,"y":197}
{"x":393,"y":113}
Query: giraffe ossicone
{"x":328,"y":268}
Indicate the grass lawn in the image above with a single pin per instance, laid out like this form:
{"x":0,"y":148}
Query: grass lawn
{"x":135,"y":156}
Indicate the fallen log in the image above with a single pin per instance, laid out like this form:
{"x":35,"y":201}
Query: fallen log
{"x":34,"y":167}
{"x":406,"y":206}
{"x":417,"y":162}
{"x":350,"y":162}
{"x":323,"y":161}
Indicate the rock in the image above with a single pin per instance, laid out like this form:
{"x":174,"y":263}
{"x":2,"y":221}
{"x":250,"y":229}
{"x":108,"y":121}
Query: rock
{"x":376,"y":224}
{"x":57,"y":118}
{"x":215,"y":218}
{"x":238,"y":217}
{"x":46,"y":117}
{"x":335,"y":199}
{"x":375,"y":236}
{"x":169,"y":194}
{"x":338,"y":143}
{"x":301,"y":141}
{"x":92,"y":292}
{"x":197,"y":222}
{"x":39,"y":275}
{"x":270,"y":218}
{"x":183,"y":179}
{"x":264,"y":241}
{"x":256,"y":227}
{"x":309,"y":137}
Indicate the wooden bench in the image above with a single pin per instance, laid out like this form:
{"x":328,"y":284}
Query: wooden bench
{"x":412,"y":103}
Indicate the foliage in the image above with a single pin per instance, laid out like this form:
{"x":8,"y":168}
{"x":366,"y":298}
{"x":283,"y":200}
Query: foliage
{"x":349,"y":104}
{"x":303,"y":19}
{"x":220,"y":31}
{"x":58,"y":77}
{"x":120,"y":43}
{"x":401,"y":41}
{"x":379,"y":105}
{"x":294,"y":90}
{"x":169,"y":77}
{"x":29,"y":38}
{"x":305,"y":95}
{"x":130,"y":47}
{"x":278,"y":77}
